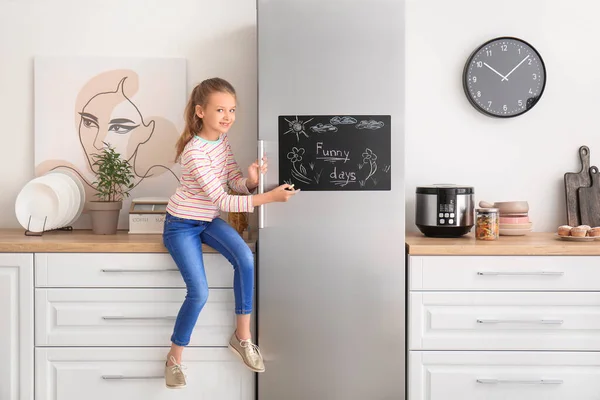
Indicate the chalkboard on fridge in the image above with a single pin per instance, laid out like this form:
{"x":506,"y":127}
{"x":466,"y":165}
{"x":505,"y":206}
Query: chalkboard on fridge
{"x":335,"y":152}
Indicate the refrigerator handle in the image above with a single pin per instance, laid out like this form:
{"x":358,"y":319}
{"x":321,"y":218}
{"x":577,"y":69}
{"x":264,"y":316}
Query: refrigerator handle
{"x":261,"y":184}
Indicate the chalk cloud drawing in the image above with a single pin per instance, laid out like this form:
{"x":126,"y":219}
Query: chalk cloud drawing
{"x":297,"y":127}
{"x":322,"y":128}
{"x":342,"y":120}
{"x":369,"y":124}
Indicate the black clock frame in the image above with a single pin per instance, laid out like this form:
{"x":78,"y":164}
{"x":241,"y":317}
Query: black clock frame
{"x":529,"y":105}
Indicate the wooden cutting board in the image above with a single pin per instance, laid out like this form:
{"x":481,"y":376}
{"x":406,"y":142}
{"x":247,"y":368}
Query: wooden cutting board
{"x":589,"y":201}
{"x":574,"y":181}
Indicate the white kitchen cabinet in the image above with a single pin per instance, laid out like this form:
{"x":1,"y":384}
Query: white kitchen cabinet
{"x":503,"y":375}
{"x":496,"y":327}
{"x":123,"y":270}
{"x":16,"y":326}
{"x":103,"y":327}
{"x":506,"y":273}
{"x":505,"y":321}
{"x":127,"y":317}
{"x":137,"y":373}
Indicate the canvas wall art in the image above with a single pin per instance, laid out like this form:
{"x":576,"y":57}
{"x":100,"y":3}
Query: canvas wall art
{"x":135,"y":105}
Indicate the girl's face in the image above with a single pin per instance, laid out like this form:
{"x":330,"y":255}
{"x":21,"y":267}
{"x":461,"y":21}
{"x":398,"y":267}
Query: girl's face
{"x":218,"y":115}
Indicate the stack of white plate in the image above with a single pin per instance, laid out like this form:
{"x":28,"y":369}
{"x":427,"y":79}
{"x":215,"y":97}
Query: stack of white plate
{"x":52,"y":201}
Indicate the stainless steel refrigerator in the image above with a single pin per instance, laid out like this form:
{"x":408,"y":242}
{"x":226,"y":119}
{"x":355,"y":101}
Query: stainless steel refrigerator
{"x":331,"y":261}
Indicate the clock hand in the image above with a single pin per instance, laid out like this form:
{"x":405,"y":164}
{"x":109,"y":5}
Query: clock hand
{"x":518,"y":65}
{"x":503,"y":77}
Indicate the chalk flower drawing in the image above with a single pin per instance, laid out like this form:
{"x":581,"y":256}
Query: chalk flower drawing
{"x":297,"y":127}
{"x":295,"y":156}
{"x":369,"y":158}
{"x":342,"y":121}
{"x":370,"y":124}
{"x":322,"y":128}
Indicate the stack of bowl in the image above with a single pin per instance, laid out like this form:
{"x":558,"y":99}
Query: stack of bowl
{"x":514,"y":217}
{"x":52,"y":201}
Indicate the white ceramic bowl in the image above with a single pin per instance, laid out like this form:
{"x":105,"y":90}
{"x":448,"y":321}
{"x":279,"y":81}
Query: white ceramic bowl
{"x":527,"y":225}
{"x":513,"y":232}
{"x":507,"y":207}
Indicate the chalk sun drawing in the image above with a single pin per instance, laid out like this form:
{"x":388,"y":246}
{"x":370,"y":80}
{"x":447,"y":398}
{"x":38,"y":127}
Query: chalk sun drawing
{"x":297,"y":127}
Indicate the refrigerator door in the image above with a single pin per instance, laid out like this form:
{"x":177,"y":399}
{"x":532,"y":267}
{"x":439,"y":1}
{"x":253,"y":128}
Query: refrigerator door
{"x":330,"y":270}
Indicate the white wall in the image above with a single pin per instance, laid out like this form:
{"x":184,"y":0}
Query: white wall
{"x":446,"y":139}
{"x":521,"y":158}
{"x":216,"y":37}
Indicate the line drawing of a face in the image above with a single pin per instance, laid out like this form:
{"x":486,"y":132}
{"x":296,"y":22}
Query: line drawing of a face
{"x":111,"y":118}
{"x":106,"y":115}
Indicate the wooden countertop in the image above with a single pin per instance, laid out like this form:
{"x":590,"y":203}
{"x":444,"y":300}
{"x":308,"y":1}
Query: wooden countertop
{"x":535,"y":243}
{"x":84,"y":241}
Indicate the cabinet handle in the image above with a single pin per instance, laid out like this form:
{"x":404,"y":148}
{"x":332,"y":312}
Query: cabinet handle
{"x":140,"y":270}
{"x":521,"y":382}
{"x":124,"y":377}
{"x":521,"y":321}
{"x":116,"y":317}
{"x":522,"y":273}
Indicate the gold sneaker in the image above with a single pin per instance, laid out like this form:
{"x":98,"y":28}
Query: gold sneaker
{"x":248,"y":352}
{"x":174,"y":376}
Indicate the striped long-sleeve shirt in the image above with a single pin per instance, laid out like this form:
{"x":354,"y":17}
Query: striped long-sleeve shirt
{"x":207,"y":170}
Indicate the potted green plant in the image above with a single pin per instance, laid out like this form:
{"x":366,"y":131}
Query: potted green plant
{"x":113,"y":183}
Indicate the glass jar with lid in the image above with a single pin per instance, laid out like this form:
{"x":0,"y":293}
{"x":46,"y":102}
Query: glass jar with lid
{"x":487,"y":223}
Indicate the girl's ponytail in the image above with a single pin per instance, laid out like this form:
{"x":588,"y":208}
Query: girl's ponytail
{"x":192,"y":124}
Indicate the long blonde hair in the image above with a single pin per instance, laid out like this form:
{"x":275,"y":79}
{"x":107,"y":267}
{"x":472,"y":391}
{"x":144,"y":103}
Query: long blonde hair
{"x":199,"y":96}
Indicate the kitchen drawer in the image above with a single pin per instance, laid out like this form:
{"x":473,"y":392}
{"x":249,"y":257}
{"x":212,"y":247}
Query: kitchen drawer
{"x":503,"y":375}
{"x":123,"y":270}
{"x":127,"y":317}
{"x":137,"y":373}
{"x":504,"y":273}
{"x":504,"y":321}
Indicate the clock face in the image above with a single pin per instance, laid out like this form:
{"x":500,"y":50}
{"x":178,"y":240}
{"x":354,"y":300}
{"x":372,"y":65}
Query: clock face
{"x":505,"y":77}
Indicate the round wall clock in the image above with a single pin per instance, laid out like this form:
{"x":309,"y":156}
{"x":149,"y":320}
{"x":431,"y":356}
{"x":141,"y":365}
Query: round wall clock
{"x":504,"y":77}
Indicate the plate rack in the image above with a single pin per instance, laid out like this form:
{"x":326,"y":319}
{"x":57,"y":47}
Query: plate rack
{"x":30,"y":233}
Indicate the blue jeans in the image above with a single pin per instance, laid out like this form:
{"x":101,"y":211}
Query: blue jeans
{"x":183,"y":238}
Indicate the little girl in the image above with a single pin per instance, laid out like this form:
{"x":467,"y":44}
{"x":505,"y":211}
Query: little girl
{"x":208,"y":169}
